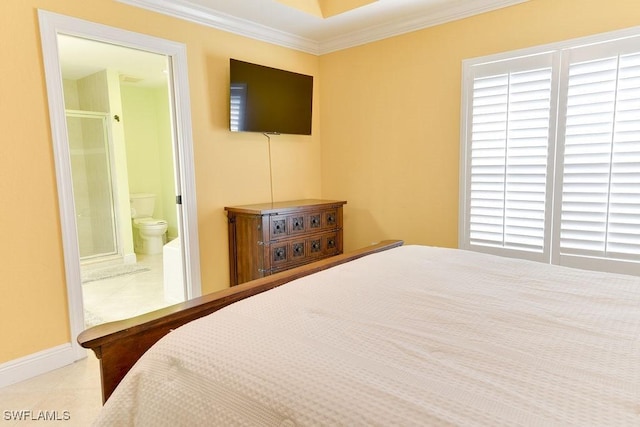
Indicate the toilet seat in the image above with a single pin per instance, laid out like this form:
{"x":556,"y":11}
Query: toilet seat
{"x":148,"y":222}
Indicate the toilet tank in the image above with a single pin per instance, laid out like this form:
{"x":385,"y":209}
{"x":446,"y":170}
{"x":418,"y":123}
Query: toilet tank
{"x":142,"y":204}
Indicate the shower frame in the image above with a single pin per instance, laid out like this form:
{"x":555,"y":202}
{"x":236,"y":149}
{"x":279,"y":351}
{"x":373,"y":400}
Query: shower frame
{"x":110,"y":176}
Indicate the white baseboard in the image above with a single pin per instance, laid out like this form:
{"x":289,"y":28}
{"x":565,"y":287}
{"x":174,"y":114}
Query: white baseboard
{"x":130,"y":258}
{"x":36,"y":364}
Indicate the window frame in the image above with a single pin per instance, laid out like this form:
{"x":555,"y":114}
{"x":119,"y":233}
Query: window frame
{"x":519,"y":63}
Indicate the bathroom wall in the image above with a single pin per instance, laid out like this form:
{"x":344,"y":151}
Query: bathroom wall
{"x":120,"y":161}
{"x":93,"y":93}
{"x":147,"y":127}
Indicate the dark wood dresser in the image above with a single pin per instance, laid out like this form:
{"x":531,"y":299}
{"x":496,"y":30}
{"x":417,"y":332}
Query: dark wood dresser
{"x":271,"y":237}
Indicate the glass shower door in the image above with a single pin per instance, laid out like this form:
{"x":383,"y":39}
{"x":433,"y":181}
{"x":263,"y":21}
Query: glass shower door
{"x":92,"y":184}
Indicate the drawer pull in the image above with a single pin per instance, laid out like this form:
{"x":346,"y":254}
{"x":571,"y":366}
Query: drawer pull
{"x":298,"y":223}
{"x":280,"y":254}
{"x":279,"y":227}
{"x":331,"y":219}
{"x":298,"y":249}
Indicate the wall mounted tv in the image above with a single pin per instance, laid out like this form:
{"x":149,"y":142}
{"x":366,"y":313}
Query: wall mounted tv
{"x":269,"y":100}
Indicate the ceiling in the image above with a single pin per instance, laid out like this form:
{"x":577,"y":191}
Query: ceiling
{"x":81,"y":57}
{"x":313,"y":26}
{"x":300,"y":24}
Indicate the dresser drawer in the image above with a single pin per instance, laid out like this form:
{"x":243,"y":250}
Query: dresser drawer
{"x":283,"y":226}
{"x":303,"y":249}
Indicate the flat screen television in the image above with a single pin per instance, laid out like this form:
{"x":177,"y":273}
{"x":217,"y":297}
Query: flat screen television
{"x":269,"y":100}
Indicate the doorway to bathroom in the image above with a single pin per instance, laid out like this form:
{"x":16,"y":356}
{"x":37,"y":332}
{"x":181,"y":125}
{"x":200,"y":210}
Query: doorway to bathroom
{"x":118,"y":118}
{"x":120,"y":144}
{"x":117,"y":132}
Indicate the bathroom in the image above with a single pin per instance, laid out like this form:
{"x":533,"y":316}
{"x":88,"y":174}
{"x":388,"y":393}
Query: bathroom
{"x":114,"y":157}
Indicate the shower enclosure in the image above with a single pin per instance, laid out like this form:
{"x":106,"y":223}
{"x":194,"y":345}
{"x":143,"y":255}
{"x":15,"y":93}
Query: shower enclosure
{"x":93,"y":186}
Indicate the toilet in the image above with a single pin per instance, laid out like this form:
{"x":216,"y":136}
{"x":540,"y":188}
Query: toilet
{"x":148,"y":232}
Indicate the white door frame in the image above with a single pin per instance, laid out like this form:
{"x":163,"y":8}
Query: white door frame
{"x":52,"y":24}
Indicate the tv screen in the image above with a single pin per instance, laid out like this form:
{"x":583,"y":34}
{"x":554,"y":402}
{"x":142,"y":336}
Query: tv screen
{"x":269,"y":100}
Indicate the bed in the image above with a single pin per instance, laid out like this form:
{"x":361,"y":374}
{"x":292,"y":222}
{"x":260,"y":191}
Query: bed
{"x":397,"y":335}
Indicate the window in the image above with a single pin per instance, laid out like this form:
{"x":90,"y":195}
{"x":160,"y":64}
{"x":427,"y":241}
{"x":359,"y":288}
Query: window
{"x":550,"y":158}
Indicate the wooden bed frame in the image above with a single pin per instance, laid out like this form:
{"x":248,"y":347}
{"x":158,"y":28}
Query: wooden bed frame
{"x":120,"y":344}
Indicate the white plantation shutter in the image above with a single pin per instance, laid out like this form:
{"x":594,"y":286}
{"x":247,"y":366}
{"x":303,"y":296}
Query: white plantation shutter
{"x":488,"y":160}
{"x":587,"y":156}
{"x":574,"y":201}
{"x":600,"y":214}
{"x":624,"y":204}
{"x":510,"y":123}
{"x":527,"y":163}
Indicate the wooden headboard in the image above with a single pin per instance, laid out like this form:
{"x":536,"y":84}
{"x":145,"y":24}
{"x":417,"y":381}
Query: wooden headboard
{"x":120,"y":344}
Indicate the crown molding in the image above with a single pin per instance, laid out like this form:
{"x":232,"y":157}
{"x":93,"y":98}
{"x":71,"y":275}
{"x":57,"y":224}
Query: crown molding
{"x":183,"y":9}
{"x":406,"y":25}
{"x":201,"y":15}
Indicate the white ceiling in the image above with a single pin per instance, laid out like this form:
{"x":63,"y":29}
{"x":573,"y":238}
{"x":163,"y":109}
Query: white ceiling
{"x":270,"y":21}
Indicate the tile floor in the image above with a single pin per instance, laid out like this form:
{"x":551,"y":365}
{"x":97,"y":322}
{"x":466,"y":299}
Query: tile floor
{"x":73,"y":392}
{"x":125,"y":296}
{"x":76,"y":388}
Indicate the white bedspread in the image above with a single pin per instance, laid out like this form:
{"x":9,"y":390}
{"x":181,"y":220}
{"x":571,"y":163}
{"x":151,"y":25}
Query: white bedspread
{"x":412,"y":336}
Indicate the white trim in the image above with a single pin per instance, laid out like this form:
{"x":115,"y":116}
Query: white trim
{"x":52,"y":24}
{"x":183,"y":9}
{"x":48,"y":31}
{"x":129,"y":258}
{"x":618,"y":266}
{"x":186,"y":180}
{"x":466,"y":85}
{"x":222,"y":21}
{"x":36,"y":364}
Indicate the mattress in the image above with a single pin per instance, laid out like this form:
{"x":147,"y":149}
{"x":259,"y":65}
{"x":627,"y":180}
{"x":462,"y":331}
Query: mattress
{"x":411,"y":336}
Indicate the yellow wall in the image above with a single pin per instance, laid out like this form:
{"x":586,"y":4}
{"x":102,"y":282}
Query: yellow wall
{"x":390,"y":135}
{"x":391,"y":114}
{"x":230,"y":168}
